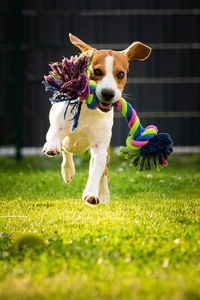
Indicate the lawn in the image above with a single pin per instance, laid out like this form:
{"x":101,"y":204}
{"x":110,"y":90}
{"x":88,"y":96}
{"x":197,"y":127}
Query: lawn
{"x":144,"y":245}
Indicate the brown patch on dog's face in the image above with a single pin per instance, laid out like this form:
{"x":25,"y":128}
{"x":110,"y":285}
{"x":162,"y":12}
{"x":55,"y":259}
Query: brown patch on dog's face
{"x":120,"y":67}
{"x":98,"y":65}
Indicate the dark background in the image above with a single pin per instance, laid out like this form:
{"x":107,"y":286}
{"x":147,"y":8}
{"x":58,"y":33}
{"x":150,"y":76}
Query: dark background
{"x":164,"y":89}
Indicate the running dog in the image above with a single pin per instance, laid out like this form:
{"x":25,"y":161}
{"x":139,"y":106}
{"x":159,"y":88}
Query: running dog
{"x":94,"y":131}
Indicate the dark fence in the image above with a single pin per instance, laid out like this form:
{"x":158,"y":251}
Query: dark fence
{"x":164,"y":90}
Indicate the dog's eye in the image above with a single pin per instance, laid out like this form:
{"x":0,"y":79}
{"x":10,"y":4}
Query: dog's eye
{"x":121,"y":75}
{"x":98,"y":72}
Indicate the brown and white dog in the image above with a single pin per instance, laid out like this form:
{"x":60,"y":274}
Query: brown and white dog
{"x":94,"y":131}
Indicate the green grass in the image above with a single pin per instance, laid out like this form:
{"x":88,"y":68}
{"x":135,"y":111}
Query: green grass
{"x":144,"y":245}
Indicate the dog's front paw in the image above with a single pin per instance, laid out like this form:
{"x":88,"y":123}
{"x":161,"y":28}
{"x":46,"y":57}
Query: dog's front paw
{"x":51,"y":149}
{"x":91,"y":200}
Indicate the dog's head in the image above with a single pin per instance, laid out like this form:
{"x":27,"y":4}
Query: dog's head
{"x":110,"y":69}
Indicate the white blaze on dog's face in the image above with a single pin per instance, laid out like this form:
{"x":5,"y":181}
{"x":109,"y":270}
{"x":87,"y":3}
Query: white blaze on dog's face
{"x":110,"y":69}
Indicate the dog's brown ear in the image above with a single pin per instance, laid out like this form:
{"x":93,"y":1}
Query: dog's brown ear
{"x":137,"y":51}
{"x":80,"y":44}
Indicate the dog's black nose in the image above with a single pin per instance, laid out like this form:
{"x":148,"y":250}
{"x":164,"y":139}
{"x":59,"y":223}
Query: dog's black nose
{"x":108,"y":94}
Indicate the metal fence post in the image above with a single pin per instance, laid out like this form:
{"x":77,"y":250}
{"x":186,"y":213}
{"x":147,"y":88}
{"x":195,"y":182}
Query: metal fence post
{"x":17,"y":77}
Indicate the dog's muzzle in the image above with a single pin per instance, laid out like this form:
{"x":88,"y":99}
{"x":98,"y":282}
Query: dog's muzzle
{"x":107,"y":96}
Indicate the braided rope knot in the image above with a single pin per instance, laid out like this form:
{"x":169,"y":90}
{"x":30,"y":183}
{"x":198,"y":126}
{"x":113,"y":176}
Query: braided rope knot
{"x":138,"y":136}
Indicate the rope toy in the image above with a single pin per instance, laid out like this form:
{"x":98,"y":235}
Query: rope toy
{"x":146,"y":148}
{"x":69,"y":80}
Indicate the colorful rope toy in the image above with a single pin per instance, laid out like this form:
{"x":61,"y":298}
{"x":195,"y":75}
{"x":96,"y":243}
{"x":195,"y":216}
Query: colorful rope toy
{"x":69,"y":80}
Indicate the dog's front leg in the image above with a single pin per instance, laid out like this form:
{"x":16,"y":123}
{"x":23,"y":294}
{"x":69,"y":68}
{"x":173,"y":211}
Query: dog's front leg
{"x":54,"y":136}
{"x":97,"y":166}
{"x":52,"y":147}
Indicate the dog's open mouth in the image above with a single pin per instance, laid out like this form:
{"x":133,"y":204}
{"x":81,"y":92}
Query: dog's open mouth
{"x":104,"y":106}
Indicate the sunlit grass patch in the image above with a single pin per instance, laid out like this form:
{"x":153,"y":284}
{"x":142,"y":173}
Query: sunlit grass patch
{"x":144,"y":245}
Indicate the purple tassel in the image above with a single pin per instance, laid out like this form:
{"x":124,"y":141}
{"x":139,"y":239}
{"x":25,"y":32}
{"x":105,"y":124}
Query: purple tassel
{"x":67,"y":69}
{"x":55,"y":69}
{"x":49,"y":79}
{"x":83,"y":82}
{"x":80,"y":66}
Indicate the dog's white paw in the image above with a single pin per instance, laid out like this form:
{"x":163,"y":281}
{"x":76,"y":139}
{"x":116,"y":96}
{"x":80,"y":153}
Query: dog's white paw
{"x":67,"y":172}
{"x":52,"y":149}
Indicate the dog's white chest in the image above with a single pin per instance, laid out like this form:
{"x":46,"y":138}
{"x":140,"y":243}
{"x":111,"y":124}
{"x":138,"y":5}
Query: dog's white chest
{"x":94,"y":126}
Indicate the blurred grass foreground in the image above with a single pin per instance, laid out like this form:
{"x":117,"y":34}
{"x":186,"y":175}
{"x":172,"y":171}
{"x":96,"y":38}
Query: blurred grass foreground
{"x":144,"y":245}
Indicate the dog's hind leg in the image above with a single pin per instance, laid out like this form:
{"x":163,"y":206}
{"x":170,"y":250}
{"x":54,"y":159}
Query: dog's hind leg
{"x":67,"y":166}
{"x":104,"y":194}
